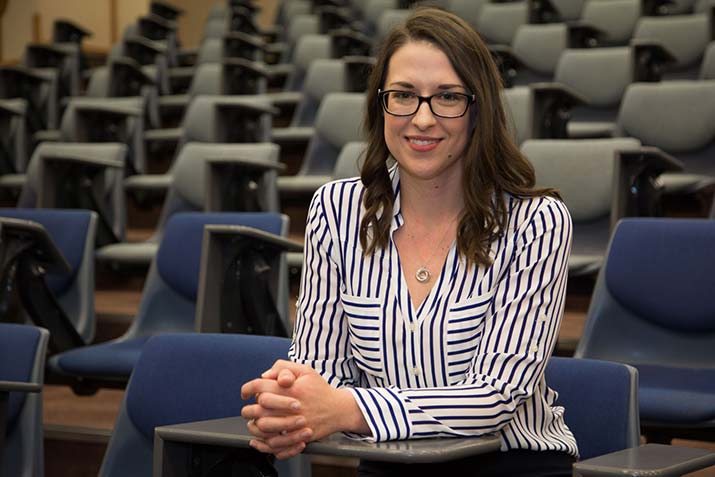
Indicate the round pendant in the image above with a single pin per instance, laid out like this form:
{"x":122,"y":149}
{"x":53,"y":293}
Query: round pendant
{"x":422,"y":275}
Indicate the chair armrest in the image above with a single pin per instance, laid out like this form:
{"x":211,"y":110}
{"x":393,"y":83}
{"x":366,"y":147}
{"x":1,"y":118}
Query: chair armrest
{"x":284,"y":99}
{"x":47,"y":135}
{"x":237,"y":183}
{"x":280,"y":70}
{"x":169,"y":136}
{"x":650,"y":58}
{"x":248,"y":305}
{"x":174,"y":101}
{"x":110,"y":110}
{"x":552,"y":109}
{"x":147,"y":182}
{"x":637,"y":192}
{"x":652,"y":460}
{"x":20,"y":386}
{"x":292,"y":135}
{"x":283,"y":244}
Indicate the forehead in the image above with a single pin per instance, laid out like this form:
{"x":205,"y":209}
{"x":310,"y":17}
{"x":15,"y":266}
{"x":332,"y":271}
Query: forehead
{"x":421,"y":63}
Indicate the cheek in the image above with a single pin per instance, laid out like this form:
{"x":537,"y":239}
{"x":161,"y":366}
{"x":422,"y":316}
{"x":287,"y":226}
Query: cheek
{"x":391,"y":132}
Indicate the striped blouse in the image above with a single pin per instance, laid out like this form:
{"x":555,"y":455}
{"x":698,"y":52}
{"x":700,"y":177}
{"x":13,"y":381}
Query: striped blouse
{"x":470,"y":359}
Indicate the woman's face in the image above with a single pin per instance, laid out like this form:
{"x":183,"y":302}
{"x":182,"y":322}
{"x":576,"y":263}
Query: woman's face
{"x":426,"y":146}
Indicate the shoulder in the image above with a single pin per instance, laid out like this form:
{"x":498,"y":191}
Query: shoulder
{"x":337,"y":200}
{"x":525,"y":212}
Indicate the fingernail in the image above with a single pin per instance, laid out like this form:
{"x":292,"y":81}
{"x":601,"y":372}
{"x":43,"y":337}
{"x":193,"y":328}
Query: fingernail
{"x":295,"y":405}
{"x":305,"y":434}
{"x":300,"y":421}
{"x":264,"y":374}
{"x":252,"y":444}
{"x":284,"y":433}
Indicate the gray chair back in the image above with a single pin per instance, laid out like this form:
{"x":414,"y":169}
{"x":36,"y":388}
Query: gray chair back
{"x":539,"y":46}
{"x":308,"y":48}
{"x":350,"y":160}
{"x":707,"y":67}
{"x":499,"y":22}
{"x":584,"y":173}
{"x":187,"y":190}
{"x":675,"y":116}
{"x":685,"y":36}
{"x":113,"y":201}
{"x":468,"y":10}
{"x":616,"y":19}
{"x":324,"y":76}
{"x":339,"y":121}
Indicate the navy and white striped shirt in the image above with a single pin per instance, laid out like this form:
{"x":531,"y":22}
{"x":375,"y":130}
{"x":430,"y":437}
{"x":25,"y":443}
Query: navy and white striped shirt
{"x":470,"y":360}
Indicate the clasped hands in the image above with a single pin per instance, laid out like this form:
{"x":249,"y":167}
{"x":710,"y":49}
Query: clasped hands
{"x":295,"y":405}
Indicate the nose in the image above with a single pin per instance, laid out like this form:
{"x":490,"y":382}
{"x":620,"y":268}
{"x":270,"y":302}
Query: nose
{"x":423,"y":118}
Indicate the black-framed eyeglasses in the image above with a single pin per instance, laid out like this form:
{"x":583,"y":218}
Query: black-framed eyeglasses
{"x":447,"y":104}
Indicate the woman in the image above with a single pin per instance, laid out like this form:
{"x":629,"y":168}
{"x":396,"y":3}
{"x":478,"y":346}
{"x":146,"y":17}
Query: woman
{"x":432,"y":291}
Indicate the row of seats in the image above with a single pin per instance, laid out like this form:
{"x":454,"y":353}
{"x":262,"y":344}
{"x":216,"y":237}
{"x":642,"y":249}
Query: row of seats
{"x":172,"y":291}
{"x":646,"y":303}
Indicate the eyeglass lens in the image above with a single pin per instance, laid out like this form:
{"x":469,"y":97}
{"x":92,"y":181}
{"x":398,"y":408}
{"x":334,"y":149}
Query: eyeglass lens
{"x":442,"y":104}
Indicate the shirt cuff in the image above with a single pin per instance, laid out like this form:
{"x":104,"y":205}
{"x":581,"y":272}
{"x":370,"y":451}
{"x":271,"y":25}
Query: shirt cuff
{"x":385,"y":413}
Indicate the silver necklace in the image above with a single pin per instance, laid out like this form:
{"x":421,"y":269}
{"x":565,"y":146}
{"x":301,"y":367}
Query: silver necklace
{"x":423,"y":274}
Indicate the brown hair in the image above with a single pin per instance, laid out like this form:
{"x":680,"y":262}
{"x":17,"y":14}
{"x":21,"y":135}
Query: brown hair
{"x":492,"y":162}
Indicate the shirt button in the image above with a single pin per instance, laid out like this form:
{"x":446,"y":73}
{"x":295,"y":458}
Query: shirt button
{"x":416,"y":371}
{"x":534,"y":348}
{"x":543,"y":318}
{"x":411,"y":327}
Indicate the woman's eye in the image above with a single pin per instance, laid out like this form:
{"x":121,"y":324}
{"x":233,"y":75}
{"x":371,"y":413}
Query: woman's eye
{"x":448,"y":97}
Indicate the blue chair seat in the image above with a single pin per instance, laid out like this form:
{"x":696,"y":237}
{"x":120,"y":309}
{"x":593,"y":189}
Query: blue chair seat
{"x":677,"y":395}
{"x":113,"y":359}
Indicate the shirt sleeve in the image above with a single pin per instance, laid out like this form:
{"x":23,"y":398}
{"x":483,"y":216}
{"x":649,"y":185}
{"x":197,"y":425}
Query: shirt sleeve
{"x":320,"y":337}
{"x":521,"y":328}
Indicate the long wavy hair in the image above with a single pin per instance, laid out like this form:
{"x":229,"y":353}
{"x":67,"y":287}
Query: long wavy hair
{"x":493,"y":164}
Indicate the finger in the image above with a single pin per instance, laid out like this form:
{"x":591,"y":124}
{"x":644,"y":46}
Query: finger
{"x":263,"y":447}
{"x":289,"y":439}
{"x":280,"y":424}
{"x":257,"y":386}
{"x":297,"y":368}
{"x":255,"y":411}
{"x":291,"y":452}
{"x":275,"y":402}
{"x":285,"y":378}
{"x":270,"y":374}
{"x":257,"y":433}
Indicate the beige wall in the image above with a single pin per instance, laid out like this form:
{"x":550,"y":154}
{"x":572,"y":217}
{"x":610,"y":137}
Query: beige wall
{"x":16,"y":27}
{"x":96,"y":15}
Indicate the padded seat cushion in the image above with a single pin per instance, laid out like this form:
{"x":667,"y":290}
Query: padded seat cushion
{"x":111,"y":359}
{"x":17,"y":356}
{"x":68,"y":229}
{"x":206,"y":372}
{"x":677,"y":395}
{"x":179,"y":258}
{"x":639,"y":273}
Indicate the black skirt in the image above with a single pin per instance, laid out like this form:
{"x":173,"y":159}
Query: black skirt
{"x":515,"y":463}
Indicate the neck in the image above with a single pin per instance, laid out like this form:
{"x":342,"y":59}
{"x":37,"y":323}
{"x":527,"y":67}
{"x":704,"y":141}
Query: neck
{"x":431,"y":201}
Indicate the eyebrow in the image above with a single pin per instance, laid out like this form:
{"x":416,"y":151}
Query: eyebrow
{"x":405,"y":84}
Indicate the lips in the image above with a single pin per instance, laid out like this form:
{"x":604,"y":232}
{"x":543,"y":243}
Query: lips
{"x":422,"y":143}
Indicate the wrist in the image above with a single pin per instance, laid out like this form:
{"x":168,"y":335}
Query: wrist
{"x":350,"y":418}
